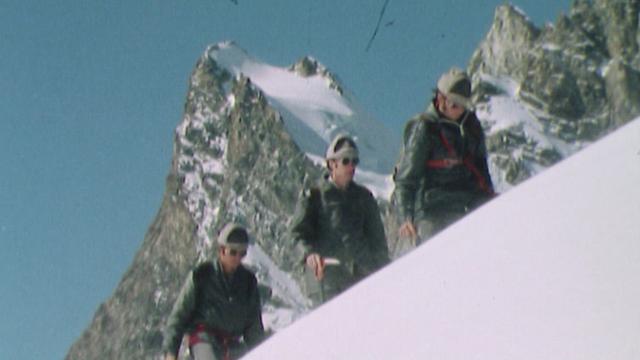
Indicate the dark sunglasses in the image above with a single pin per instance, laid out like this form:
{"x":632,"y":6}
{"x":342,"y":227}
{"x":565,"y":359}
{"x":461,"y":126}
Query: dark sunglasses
{"x":234,"y":252}
{"x":346,"y":161}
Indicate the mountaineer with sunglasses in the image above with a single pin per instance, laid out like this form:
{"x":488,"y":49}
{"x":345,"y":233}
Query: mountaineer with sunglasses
{"x":219,"y":305}
{"x":337,"y":229}
{"x":442,"y":171}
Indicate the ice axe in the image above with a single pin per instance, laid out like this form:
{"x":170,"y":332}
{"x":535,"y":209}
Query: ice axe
{"x":326,"y":262}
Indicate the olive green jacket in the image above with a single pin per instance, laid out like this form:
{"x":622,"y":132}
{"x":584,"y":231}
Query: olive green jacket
{"x":343,"y":224}
{"x":210,"y":298}
{"x":422,"y":189}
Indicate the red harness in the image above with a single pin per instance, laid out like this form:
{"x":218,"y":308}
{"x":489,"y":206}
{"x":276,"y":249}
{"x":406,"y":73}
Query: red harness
{"x":454,"y":160}
{"x":223,"y":338}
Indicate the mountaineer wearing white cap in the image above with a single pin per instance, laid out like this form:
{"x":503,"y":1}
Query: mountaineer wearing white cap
{"x":337,"y":228}
{"x":442,"y":171}
{"x":219,"y":305}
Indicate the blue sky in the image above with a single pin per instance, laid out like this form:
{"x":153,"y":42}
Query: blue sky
{"x":91,"y":91}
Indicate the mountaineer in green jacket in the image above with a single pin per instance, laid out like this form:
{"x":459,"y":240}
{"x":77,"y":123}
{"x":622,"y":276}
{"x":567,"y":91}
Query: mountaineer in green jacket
{"x":218,"y":306}
{"x":442,"y":172}
{"x":337,"y":228}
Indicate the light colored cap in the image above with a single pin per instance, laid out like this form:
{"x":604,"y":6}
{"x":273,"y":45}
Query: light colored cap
{"x":456,"y":86}
{"x":233,"y":236}
{"x":342,"y":146}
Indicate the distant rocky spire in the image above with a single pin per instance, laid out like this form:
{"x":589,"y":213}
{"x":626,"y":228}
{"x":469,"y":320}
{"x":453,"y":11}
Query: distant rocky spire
{"x":308,"y":66}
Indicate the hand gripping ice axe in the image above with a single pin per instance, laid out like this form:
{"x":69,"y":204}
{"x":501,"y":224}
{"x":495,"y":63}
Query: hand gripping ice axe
{"x":326,"y":262}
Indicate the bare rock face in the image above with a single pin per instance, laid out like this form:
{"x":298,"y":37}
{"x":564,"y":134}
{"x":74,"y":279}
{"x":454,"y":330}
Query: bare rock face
{"x":623,"y":91}
{"x":578,"y":79}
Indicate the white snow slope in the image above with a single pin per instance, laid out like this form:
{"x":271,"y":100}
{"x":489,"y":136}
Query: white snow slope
{"x":548,"y":270}
{"x":313,"y":111}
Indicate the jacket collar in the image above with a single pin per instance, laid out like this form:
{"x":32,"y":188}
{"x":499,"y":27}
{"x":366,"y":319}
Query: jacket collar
{"x":441,"y":119}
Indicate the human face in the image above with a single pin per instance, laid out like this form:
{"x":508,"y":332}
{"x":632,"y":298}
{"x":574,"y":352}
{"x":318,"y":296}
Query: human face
{"x":236,"y":252}
{"x":449,"y":109}
{"x":353,"y":161}
{"x":343,"y":171}
{"x":231,"y":258}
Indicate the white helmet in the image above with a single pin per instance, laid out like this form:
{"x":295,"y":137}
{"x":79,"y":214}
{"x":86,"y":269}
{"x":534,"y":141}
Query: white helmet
{"x":456,"y":86}
{"x":342,"y":146}
{"x":234,"y":236}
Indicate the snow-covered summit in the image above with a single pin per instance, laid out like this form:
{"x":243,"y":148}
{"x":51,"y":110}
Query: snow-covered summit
{"x":314,"y":108}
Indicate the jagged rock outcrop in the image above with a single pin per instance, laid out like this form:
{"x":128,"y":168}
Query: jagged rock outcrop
{"x":578,"y":79}
{"x":308,"y":66}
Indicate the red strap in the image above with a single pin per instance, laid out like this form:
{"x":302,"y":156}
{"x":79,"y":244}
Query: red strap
{"x":454,"y":160}
{"x":225,"y":348}
{"x":222,"y":337}
{"x":482,"y":183}
{"x":446,"y":144}
{"x":443,"y":163}
{"x":194,"y":337}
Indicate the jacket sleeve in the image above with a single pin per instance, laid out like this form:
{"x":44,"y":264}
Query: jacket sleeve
{"x":374,"y":233}
{"x":254,"y":329}
{"x":480,"y":160}
{"x":304,"y":224}
{"x":410,"y":169}
{"x":180,"y":317}
{"x":481,"y":164}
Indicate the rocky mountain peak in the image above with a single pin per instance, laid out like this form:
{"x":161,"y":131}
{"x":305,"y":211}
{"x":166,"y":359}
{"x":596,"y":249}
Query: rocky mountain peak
{"x":619,"y":21}
{"x":308,"y":66}
{"x":507,"y":42}
{"x":575,"y":80}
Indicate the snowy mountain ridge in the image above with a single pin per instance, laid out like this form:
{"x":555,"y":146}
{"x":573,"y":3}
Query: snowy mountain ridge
{"x":313,"y":105}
